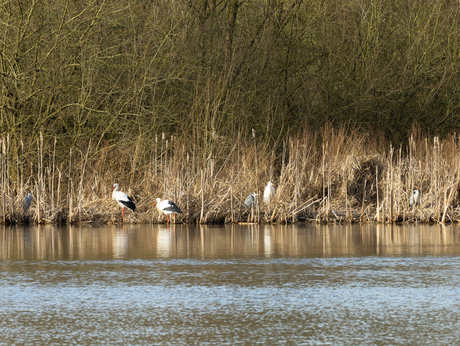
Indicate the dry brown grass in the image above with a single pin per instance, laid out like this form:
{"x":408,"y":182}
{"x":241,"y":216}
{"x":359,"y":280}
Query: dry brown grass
{"x":329,"y":177}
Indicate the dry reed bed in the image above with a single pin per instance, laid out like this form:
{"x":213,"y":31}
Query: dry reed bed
{"x":326,"y":177}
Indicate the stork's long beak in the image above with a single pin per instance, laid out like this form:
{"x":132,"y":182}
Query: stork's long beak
{"x":154,"y":203}
{"x":112,"y":189}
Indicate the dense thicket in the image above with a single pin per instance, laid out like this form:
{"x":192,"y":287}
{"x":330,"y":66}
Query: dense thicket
{"x":123,"y":72}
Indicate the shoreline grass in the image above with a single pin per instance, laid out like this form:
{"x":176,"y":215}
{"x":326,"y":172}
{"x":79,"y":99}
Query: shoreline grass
{"x":333,"y":177}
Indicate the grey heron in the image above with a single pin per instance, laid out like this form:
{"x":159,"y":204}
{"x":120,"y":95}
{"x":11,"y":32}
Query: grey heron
{"x":250,"y":200}
{"x":27,"y":201}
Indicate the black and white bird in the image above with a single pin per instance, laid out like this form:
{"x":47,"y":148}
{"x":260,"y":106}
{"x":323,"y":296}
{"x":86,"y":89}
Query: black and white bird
{"x":250,"y":200}
{"x":123,"y":199}
{"x":27,"y":201}
{"x":414,"y":199}
{"x":269,"y":193}
{"x":168,"y":208}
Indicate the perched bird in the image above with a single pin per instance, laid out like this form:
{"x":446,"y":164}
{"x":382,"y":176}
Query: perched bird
{"x":250,"y":200}
{"x":269,"y":192}
{"x":414,"y":199}
{"x":123,"y":199}
{"x":27,"y":201}
{"x":167,"y":207}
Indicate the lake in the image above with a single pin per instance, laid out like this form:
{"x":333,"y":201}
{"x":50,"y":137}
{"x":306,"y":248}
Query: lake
{"x":230,"y":285}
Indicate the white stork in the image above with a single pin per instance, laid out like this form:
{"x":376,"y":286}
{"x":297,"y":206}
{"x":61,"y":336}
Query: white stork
{"x":123,"y":199}
{"x":167,"y":207}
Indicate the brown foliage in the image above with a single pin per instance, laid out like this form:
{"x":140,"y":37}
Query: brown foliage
{"x":351,"y":179}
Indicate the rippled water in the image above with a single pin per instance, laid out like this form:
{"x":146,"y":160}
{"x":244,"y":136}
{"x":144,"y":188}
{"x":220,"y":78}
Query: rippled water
{"x":307,"y":285}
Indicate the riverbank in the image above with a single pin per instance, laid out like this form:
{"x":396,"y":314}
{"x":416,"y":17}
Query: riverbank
{"x":334,"y":176}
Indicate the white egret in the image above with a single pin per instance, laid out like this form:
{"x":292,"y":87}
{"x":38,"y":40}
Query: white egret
{"x":269,"y":193}
{"x":414,"y":199}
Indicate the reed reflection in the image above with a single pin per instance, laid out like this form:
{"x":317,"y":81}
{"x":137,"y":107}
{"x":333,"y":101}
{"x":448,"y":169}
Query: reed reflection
{"x":198,"y":241}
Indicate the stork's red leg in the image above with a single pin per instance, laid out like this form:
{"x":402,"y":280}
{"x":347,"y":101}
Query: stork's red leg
{"x":123,"y":214}
{"x":167,"y":219}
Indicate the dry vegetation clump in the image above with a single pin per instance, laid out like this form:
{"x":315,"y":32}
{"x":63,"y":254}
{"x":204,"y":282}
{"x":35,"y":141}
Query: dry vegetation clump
{"x":323,"y":177}
{"x":360,"y":179}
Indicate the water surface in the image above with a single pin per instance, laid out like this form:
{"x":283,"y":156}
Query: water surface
{"x":182,"y":285}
